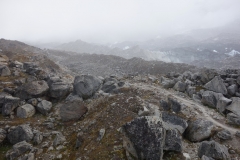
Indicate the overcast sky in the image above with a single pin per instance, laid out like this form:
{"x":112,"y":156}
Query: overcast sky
{"x":104,"y":21}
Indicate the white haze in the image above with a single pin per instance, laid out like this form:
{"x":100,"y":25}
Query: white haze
{"x":108,"y":21}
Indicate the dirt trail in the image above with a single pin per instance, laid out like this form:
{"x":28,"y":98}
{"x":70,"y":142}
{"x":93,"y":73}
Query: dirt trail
{"x":187,"y":102}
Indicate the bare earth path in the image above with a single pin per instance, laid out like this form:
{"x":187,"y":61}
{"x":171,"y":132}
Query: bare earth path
{"x":186,"y":101}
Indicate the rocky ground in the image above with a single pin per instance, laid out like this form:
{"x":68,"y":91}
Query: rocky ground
{"x":48,"y":114}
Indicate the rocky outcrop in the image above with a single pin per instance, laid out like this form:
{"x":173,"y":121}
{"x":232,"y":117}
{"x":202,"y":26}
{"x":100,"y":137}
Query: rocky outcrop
{"x":18,"y":150}
{"x":26,"y":111}
{"x":72,"y":110}
{"x":216,"y":85}
{"x":4,"y":71}
{"x":32,"y":89}
{"x":44,"y":107}
{"x":198,"y":130}
{"x":86,"y":85}
{"x":214,"y":150}
{"x":20,"y":133}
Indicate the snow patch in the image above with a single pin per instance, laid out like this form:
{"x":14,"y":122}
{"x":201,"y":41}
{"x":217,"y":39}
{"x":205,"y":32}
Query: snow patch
{"x":215,"y":51}
{"x":232,"y":53}
{"x":125,"y":48}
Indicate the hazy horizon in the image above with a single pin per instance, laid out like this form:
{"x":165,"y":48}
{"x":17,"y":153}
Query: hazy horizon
{"x":110,"y":21}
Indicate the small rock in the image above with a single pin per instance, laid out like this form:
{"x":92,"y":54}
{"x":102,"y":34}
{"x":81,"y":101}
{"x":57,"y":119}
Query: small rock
{"x":224,"y":135}
{"x":44,"y":107}
{"x":101,"y":134}
{"x":18,"y":150}
{"x":59,"y":139}
{"x":26,"y":111}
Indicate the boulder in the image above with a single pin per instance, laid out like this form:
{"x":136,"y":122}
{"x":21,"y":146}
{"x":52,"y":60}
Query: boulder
{"x":214,"y":150}
{"x":173,"y":141}
{"x":187,"y":74}
{"x":206,"y":158}
{"x":59,"y":139}
{"x":3,"y":135}
{"x":232,"y":89}
{"x":4,"y":71}
{"x":238,"y":80}
{"x":20,"y":133}
{"x":26,"y":111}
{"x":86,"y":85}
{"x":216,"y":85}
{"x":233,"y":119}
{"x":109,"y":87}
{"x":224,"y":135}
{"x":174,"y":105}
{"x":59,"y":90}
{"x":222,"y":103}
{"x":38,"y":137}
{"x":198,"y":130}
{"x":164,"y":105}
{"x":210,"y":98}
{"x":33,"y":101}
{"x":9,"y":104}
{"x":72,"y":110}
{"x":174,"y":122}
{"x":167,"y":83}
{"x":180,"y":86}
{"x":234,"y":106}
{"x":18,"y":150}
{"x":144,"y":137}
{"x":207,"y":74}
{"x":32,"y":89}
{"x":44,"y":107}
{"x":190,"y":90}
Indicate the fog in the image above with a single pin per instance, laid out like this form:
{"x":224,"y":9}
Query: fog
{"x":109,"y":21}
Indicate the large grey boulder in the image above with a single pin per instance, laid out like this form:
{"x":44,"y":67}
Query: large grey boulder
{"x":109,"y":86}
{"x":199,"y":130}
{"x":173,"y":141}
{"x":232,"y":89}
{"x":216,"y":85}
{"x":207,"y":74}
{"x":174,"y":104}
{"x":86,"y":85}
{"x":180,"y":86}
{"x":20,"y":133}
{"x":222,"y":103}
{"x":44,"y":107}
{"x":164,"y":105}
{"x":234,"y":106}
{"x":214,"y":150}
{"x":145,"y":137}
{"x":4,"y":71}
{"x":9,"y":104}
{"x":32,"y":89}
{"x":174,"y":122}
{"x":210,"y":98}
{"x":167,"y":83}
{"x":18,"y":150}
{"x":59,"y":90}
{"x":26,"y":111}
{"x":233,"y":119}
{"x":224,"y":135}
{"x":72,"y":110}
{"x":3,"y":135}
